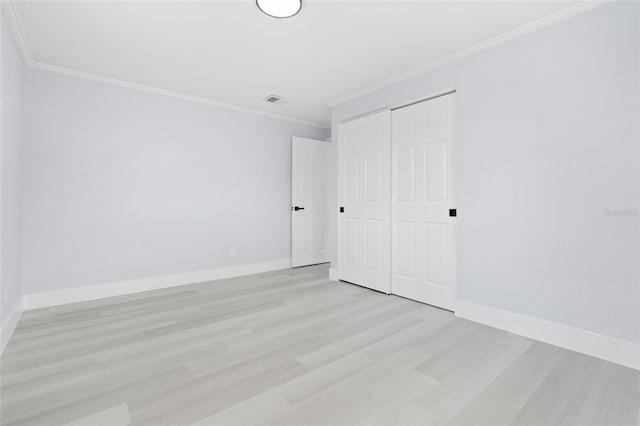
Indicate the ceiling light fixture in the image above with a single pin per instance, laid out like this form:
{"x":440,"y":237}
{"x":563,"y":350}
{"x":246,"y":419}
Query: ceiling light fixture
{"x":279,"y":8}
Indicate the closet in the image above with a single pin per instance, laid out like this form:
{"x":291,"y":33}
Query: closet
{"x":396,"y":195}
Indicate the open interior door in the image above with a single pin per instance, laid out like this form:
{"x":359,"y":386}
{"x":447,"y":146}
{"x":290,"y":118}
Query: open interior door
{"x":309,"y":206}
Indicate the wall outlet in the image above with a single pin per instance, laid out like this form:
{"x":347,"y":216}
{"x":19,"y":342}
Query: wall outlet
{"x":233,"y":252}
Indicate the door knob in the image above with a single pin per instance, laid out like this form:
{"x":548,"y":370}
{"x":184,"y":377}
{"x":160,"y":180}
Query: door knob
{"x":296,"y":208}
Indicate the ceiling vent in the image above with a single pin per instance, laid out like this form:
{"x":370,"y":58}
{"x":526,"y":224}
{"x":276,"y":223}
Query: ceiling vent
{"x":275,"y":99}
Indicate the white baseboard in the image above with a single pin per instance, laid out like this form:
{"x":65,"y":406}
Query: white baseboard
{"x":333,"y":274}
{"x":612,"y":349}
{"x":7,"y":329}
{"x":118,"y":288}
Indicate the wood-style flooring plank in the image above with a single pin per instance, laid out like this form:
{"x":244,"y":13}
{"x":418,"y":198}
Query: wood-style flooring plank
{"x":291,"y":347}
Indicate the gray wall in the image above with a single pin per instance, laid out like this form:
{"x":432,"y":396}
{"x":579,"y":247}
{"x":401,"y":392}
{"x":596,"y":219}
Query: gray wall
{"x":547,"y":169}
{"x":122,"y":184}
{"x":11,"y":123}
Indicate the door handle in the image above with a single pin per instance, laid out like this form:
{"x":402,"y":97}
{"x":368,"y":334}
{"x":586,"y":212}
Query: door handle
{"x":296,"y":208}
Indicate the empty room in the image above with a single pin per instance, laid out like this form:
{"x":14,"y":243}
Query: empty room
{"x":319,"y":212}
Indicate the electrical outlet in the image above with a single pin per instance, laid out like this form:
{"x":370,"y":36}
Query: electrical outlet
{"x":233,"y":252}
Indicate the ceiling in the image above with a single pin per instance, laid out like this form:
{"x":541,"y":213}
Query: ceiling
{"x":229,"y":52}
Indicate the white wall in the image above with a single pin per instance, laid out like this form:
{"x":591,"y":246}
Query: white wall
{"x":122,"y":184}
{"x":547,"y":169}
{"x":11,"y":123}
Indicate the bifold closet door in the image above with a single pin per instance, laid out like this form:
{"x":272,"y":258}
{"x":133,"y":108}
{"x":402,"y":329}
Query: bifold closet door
{"x":423,"y":254}
{"x":364,"y":195}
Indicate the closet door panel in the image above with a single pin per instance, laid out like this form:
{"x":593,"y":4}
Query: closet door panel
{"x":364,"y":192}
{"x":423,"y":193}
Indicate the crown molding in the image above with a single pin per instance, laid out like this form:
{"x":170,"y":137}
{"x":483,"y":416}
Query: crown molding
{"x":559,"y":16}
{"x":16,"y":26}
{"x":10,"y":12}
{"x":164,"y":92}
{"x":21,"y":40}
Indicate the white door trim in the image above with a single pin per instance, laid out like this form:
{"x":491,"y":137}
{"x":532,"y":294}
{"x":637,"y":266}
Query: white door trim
{"x":399,"y":106}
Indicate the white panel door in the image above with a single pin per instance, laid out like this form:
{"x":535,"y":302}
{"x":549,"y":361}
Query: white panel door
{"x":364,"y":192}
{"x":423,"y":266}
{"x":309,"y":209}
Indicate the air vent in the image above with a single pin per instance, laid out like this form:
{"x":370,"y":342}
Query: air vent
{"x":275,"y":99}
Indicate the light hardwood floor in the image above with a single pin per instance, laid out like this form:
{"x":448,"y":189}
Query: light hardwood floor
{"x":293,"y":348}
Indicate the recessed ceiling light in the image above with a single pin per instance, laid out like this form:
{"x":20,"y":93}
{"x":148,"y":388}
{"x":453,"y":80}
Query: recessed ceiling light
{"x":279,"y":8}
